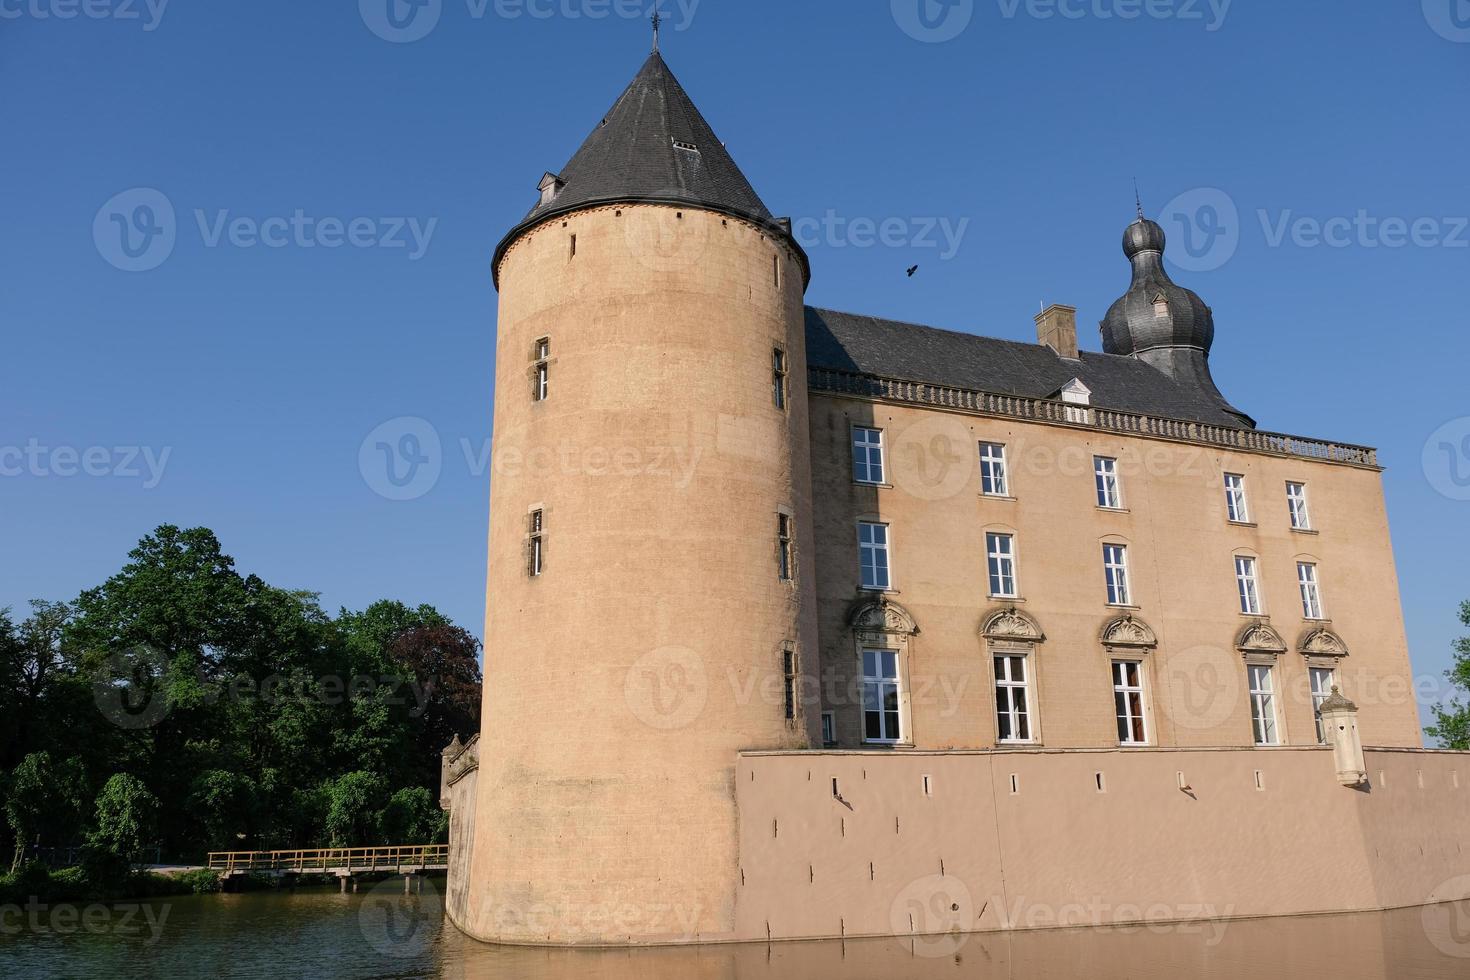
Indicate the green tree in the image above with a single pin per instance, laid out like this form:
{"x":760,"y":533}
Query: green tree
{"x":1452,"y":721}
{"x":226,"y":804}
{"x":42,"y":802}
{"x":127,"y":815}
{"x":412,"y":816}
{"x":352,"y":809}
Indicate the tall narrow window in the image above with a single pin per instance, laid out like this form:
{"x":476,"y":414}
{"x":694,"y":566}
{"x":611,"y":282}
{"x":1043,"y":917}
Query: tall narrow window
{"x":573,"y":250}
{"x":543,"y":370}
{"x":873,"y":555}
{"x":829,"y":729}
{"x":788,"y":671}
{"x":1263,"y":704}
{"x":1296,"y":500}
{"x":1235,"y":503}
{"x":1109,"y":490}
{"x":1115,"y":568}
{"x":880,"y":697}
{"x":535,"y":552}
{"x":778,"y":378}
{"x":993,"y":478}
{"x":1323,"y":679}
{"x":776,"y":265}
{"x":1306,"y":576}
{"x":1012,"y":707}
{"x":1247,"y":585}
{"x":1128,"y":702}
{"x":867,"y":454}
{"x":783,"y":543}
{"x":1001,"y":551}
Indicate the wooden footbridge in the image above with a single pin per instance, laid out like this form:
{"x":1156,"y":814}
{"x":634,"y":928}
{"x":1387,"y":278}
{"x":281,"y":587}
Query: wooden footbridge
{"x":346,"y":863}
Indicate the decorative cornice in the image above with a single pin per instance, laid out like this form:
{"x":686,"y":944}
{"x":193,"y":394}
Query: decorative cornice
{"x":1009,"y":623}
{"x":466,"y":761}
{"x":1126,"y":631}
{"x":1322,"y":642}
{"x":882,"y":615}
{"x":1260,"y":638}
{"x":972,"y":402}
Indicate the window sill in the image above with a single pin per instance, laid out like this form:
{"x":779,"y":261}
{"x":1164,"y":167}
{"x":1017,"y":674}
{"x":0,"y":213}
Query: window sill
{"x":1122,"y":605}
{"x":997,"y":496}
{"x":1305,"y":530}
{"x":1007,"y":598}
{"x":1242,"y":523}
{"x":872,"y":486}
{"x":871,"y":743}
{"x":1114,"y":510}
{"x":1257,"y":615}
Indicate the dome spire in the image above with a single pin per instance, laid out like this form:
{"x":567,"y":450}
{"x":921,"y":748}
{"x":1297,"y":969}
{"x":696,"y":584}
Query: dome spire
{"x":658,"y":19}
{"x":1160,"y":322}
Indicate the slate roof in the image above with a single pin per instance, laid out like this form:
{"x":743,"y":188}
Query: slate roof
{"x":911,"y":352}
{"x":640,"y":152}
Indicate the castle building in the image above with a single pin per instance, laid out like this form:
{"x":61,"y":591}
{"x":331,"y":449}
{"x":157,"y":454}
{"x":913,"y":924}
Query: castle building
{"x":796,"y":616}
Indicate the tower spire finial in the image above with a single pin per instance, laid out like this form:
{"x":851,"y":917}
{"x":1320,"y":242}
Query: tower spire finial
{"x":1137,"y":198}
{"x":658,"y":19}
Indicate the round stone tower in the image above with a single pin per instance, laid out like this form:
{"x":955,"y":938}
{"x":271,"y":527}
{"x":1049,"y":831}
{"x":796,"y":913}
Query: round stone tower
{"x":650,"y":598}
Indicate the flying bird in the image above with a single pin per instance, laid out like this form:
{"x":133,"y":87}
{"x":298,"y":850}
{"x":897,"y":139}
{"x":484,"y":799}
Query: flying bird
{"x":912,"y":270}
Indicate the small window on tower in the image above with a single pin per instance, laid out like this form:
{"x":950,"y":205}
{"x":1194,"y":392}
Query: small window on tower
{"x":788,"y":670}
{"x":783,"y":541}
{"x":574,"y":247}
{"x":535,"y":551}
{"x":778,"y":378}
{"x":541,"y":377}
{"x":1161,"y":306}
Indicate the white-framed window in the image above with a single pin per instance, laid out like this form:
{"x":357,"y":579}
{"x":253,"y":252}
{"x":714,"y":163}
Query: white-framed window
{"x":1247,"y":585}
{"x":1323,"y":680}
{"x":535,"y":550}
{"x":1235,"y":503}
{"x":873,"y":556}
{"x":1012,"y":701}
{"x":1263,"y":704}
{"x":784,"y":546}
{"x":1128,"y":702}
{"x":867,"y":454}
{"x":1109,"y":488}
{"x":1306,"y":577}
{"x":994,"y":481}
{"x":829,"y":728}
{"x":1001,"y":552}
{"x":541,"y":383}
{"x":1296,"y":500}
{"x":778,"y":377}
{"x":881,"y":686}
{"x":1115,"y":569}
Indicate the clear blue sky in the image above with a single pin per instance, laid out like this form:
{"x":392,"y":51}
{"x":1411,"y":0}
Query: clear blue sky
{"x":261,"y":370}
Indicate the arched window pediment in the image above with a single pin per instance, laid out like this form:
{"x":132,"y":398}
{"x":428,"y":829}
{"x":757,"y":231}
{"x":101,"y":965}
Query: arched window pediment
{"x":1126,"y":632}
{"x":882,"y":615}
{"x":1322,"y":642}
{"x":1010,"y":624}
{"x":1260,"y":638}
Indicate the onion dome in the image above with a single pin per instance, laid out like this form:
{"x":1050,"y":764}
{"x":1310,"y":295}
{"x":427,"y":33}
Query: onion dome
{"x":1160,"y":322}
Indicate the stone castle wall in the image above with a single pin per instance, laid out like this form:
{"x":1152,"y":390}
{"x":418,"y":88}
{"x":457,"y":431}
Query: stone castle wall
{"x":929,"y":843}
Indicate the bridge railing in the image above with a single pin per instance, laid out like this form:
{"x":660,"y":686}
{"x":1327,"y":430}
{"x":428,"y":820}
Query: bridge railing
{"x":333,"y":859}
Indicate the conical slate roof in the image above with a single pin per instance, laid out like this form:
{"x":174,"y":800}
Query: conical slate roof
{"x":653,"y":146}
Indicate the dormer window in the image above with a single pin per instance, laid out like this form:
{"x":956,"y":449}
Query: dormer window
{"x":685,"y":146}
{"x":1077,"y":397}
{"x":550,"y":187}
{"x":1161,"y":306}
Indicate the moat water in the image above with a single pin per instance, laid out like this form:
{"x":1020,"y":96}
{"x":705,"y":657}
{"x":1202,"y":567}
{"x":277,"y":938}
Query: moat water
{"x":380,"y":933}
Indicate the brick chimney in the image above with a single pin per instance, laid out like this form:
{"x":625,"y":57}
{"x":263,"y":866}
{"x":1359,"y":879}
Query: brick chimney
{"x":1056,"y":327}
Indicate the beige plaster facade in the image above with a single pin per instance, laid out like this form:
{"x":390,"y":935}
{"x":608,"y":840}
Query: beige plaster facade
{"x":1181,"y":551}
